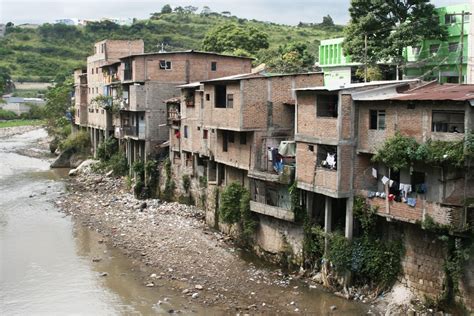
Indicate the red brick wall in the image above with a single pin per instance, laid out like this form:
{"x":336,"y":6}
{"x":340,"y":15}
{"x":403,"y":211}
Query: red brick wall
{"x":309,"y":124}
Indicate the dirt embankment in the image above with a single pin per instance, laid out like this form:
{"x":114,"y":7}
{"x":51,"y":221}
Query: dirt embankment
{"x":15,"y":130}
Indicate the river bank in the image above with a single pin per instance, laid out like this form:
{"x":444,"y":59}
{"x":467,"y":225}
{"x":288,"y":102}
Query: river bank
{"x":171,"y":244}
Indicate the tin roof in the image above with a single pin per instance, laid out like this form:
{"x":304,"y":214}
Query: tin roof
{"x":187,"y":52}
{"x":435,"y":91}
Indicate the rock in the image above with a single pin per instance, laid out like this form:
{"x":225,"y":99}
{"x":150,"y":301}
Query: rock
{"x":96,"y":259}
{"x":63,"y":160}
{"x":333,"y":307}
{"x":195,"y":295}
{"x":292,"y":303}
{"x":297,"y":310}
{"x":185,"y":291}
{"x":143,"y":206}
{"x":318,"y":278}
{"x":153,"y":275}
{"x":108,"y":174}
{"x":151,"y":284}
{"x":198,"y":287}
{"x":104,"y":274}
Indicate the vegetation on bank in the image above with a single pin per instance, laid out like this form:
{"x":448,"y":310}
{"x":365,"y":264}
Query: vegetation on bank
{"x":41,"y":54}
{"x":15,"y":123}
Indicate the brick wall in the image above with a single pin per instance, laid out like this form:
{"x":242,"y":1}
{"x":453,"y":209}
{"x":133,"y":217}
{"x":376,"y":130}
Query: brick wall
{"x":254,"y":107}
{"x":222,"y":117}
{"x":309,"y":124}
{"x":415,"y":122}
{"x":237,"y":155}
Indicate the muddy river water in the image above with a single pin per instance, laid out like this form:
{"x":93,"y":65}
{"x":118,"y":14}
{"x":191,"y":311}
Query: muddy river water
{"x":46,"y":259}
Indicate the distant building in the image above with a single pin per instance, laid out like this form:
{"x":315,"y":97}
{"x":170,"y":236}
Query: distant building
{"x":21,"y":105}
{"x":28,"y":26}
{"x":432,"y":59}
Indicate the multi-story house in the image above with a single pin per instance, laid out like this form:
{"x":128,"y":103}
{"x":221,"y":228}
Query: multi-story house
{"x":435,"y":192}
{"x":240,"y":129}
{"x":430,"y":60}
{"x":99,"y":118}
{"x":338,"y":132}
{"x":80,"y":97}
{"x":148,"y":80}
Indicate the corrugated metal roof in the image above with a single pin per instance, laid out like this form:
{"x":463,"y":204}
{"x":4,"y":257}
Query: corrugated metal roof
{"x":453,"y":92}
{"x":190,"y":85}
{"x":355,"y":85}
{"x":186,"y":52}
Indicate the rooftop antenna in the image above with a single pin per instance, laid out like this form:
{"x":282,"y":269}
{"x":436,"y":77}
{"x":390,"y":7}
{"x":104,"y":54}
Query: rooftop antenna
{"x":162,"y":50}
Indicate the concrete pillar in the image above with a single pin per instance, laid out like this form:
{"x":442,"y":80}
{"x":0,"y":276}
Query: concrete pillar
{"x":95,"y":132}
{"x":349,"y":217}
{"x":309,"y":204}
{"x":327,"y":220}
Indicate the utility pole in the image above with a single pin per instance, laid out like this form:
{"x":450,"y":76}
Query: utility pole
{"x":365,"y":57}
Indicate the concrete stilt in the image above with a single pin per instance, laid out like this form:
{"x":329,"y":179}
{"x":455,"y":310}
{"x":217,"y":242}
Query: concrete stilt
{"x":349,"y":218}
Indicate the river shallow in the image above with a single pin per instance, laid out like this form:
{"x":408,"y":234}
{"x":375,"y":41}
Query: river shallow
{"x":49,"y":264}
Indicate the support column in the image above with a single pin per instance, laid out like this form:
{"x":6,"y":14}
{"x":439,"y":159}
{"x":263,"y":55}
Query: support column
{"x":327,"y":220}
{"x":309,"y":204}
{"x":349,"y":217}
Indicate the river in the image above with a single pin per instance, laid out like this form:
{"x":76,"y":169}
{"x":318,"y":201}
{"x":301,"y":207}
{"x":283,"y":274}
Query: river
{"x":47,"y":264}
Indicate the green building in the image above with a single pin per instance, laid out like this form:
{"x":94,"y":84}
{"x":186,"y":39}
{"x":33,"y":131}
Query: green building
{"x":430,"y":60}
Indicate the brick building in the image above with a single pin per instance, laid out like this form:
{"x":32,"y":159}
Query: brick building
{"x":229,"y":130}
{"x":338,"y":131}
{"x":148,"y":80}
{"x":98,"y":120}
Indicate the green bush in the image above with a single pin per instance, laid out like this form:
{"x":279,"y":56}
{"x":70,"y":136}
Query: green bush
{"x":235,"y":209}
{"x":7,"y":115}
{"x":107,"y":149}
{"x":186,"y":182}
{"x":78,"y":142}
{"x":118,"y":164}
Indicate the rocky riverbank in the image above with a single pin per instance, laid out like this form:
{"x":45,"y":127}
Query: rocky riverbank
{"x":10,"y":131}
{"x":171,"y":243}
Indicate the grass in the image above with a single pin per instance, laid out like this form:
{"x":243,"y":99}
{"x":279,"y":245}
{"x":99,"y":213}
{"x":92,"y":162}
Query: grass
{"x":15,"y":123}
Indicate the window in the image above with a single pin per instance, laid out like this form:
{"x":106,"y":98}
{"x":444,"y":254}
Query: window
{"x":453,"y":47}
{"x":208,"y":97}
{"x":220,"y":94}
{"x":231,"y":137}
{"x":165,"y":64}
{"x":418,"y":182}
{"x":243,"y":138}
{"x":448,"y":121}
{"x":186,"y":131}
{"x":225,"y":141}
{"x":466,"y":17}
{"x":97,"y":70}
{"x":311,"y":148}
{"x":230,"y":100}
{"x":327,"y":157}
{"x":205,"y":134}
{"x":377,"y":119}
{"x":415,"y":50}
{"x":214,"y":66}
{"x":326,"y":105}
{"x":189,"y":160}
{"x":449,"y":19}
{"x":434,"y":49}
{"x":198,"y":128}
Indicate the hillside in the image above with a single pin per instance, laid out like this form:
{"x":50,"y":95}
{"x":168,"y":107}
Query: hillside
{"x":42,"y":53}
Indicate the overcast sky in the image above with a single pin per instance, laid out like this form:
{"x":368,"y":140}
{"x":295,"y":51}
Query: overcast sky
{"x":280,"y":11}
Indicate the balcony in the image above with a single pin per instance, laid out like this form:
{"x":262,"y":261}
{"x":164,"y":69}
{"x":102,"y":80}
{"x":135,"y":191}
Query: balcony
{"x":129,"y":131}
{"x":275,"y":161}
{"x":173,"y":116}
{"x":272,"y":211}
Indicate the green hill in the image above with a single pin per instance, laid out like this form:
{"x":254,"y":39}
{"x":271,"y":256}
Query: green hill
{"x":42,"y":53}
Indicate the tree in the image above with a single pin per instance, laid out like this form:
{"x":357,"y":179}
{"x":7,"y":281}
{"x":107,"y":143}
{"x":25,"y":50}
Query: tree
{"x":206,"y":10}
{"x":6,"y":83}
{"x":390,"y":27}
{"x":166,"y":9}
{"x":190,"y":9}
{"x":327,"y":21}
{"x":289,"y":58}
{"x":230,"y":37}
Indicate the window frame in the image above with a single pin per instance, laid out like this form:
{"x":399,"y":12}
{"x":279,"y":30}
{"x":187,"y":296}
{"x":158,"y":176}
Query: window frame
{"x":375,"y":120}
{"x":230,"y":100}
{"x":213,"y":65}
{"x":446,"y":127}
{"x":165,"y":64}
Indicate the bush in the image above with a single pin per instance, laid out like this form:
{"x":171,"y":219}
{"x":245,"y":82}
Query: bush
{"x":78,"y":142}
{"x":107,"y":149}
{"x":118,"y":164}
{"x":7,"y":115}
